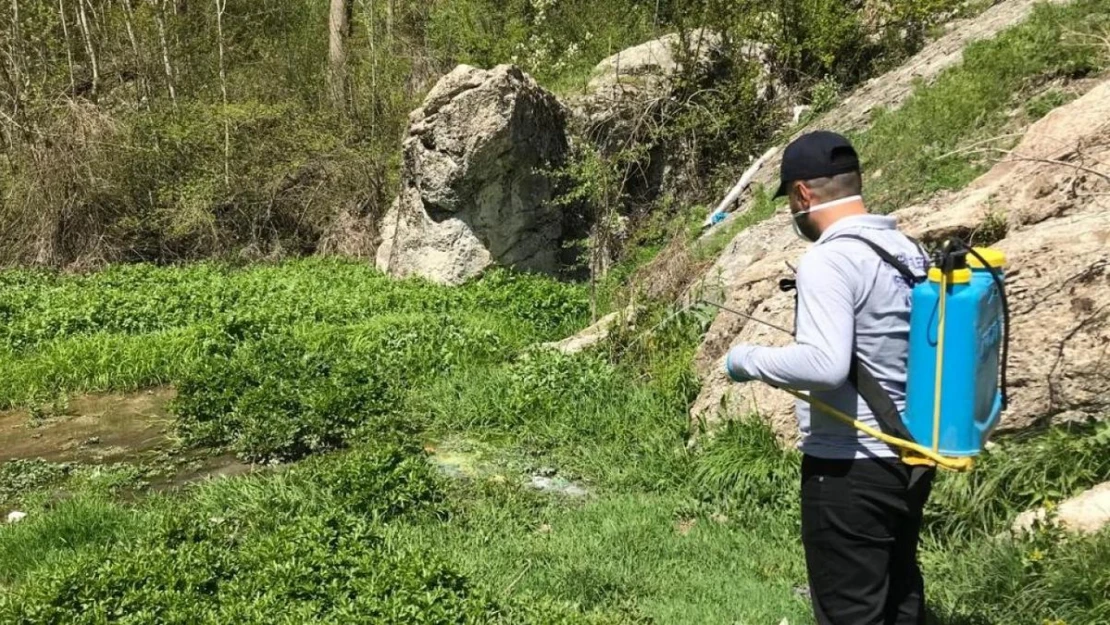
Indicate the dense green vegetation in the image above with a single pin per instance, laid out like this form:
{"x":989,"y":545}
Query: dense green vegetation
{"x":219,"y":129}
{"x":312,"y":356}
{"x":136,"y":326}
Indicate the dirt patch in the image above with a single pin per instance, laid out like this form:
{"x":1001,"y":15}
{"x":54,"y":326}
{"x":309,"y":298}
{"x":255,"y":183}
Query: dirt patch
{"x":104,"y":429}
{"x":94,"y":429}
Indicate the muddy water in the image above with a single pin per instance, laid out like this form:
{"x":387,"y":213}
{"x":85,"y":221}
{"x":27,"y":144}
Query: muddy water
{"x":135,"y":428}
{"x":94,"y":428}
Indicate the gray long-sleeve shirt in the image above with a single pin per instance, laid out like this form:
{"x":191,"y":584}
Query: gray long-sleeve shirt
{"x":849,"y":302}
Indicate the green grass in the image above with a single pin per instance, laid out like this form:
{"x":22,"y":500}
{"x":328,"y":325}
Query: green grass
{"x":1045,"y":579}
{"x":51,"y":537}
{"x":637,"y":553}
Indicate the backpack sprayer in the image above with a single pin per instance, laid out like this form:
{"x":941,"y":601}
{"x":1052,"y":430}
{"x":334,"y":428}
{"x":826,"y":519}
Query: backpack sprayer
{"x":958,"y":349}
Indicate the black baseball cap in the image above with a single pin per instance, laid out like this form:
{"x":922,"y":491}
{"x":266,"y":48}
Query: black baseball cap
{"x":816,"y":155}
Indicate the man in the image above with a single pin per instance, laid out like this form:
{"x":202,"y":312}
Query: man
{"x":861,"y":506}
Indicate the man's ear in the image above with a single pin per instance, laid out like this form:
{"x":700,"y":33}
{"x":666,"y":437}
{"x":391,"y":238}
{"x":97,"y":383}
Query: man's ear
{"x":801,"y":192}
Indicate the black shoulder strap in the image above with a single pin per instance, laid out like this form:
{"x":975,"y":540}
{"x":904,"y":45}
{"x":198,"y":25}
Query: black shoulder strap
{"x":877,"y":399}
{"x":888,"y":258}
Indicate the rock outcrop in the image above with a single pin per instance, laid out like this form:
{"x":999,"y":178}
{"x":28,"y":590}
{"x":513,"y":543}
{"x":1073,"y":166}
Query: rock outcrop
{"x":474,"y":188}
{"x":630,"y":92}
{"x":647,"y":72}
{"x":1049,"y":200}
{"x":1086,"y":513}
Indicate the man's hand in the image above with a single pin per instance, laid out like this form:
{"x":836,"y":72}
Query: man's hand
{"x":734,"y":364}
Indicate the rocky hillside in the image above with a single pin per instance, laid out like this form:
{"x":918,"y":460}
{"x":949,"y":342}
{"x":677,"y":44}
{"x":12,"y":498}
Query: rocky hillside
{"x":1046,"y":204}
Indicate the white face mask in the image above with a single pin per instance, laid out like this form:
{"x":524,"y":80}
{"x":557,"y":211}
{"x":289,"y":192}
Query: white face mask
{"x":820,"y":207}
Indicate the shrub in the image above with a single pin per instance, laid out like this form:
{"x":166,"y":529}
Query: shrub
{"x":285,"y":395}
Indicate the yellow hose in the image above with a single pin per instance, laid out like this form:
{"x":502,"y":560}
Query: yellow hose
{"x":954,"y":464}
{"x":940,"y":362}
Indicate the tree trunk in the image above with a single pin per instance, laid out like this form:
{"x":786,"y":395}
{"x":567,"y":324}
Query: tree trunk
{"x":16,"y":56}
{"x":338,"y":28}
{"x":389,"y":20}
{"x":90,"y":47}
{"x":159,"y":16}
{"x":69,"y":47}
{"x":372,"y":40}
{"x":140,"y":69}
{"x":220,"y":6}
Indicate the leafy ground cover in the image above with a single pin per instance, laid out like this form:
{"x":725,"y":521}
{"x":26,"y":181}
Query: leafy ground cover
{"x":363,"y":526}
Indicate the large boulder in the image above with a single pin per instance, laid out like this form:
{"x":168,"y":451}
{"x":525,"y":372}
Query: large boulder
{"x":630,"y":93}
{"x":1048,"y":202}
{"x":476,"y":187}
{"x":650,"y":69}
{"x":627,"y":89}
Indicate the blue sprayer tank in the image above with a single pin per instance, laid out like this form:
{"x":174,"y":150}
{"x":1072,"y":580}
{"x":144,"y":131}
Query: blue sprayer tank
{"x":970,"y":397}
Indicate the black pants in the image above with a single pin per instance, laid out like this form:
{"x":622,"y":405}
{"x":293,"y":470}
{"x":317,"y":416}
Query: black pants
{"x":860,"y":525}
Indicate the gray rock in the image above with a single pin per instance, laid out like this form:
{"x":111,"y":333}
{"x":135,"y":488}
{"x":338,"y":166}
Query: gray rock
{"x":589,"y":337}
{"x":651,"y":66}
{"x":474,"y":188}
{"x":632,"y":92}
{"x":1086,"y":513}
